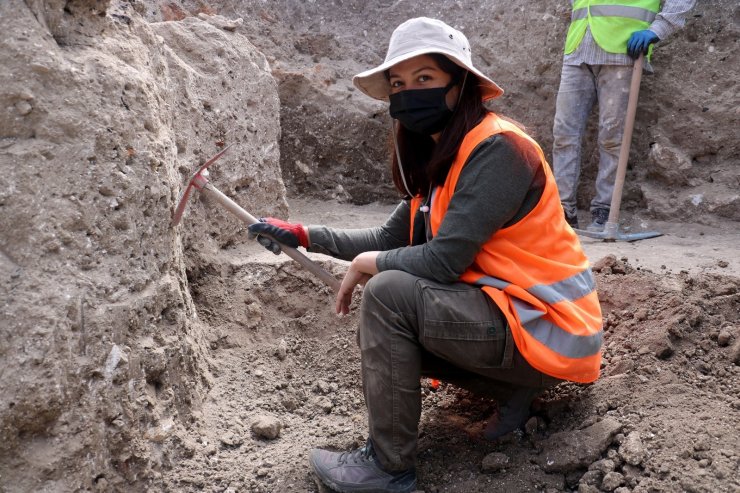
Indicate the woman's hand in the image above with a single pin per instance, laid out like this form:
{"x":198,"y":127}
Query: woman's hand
{"x":360,"y":271}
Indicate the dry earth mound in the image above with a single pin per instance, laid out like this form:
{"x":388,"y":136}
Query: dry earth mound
{"x":664,"y":416}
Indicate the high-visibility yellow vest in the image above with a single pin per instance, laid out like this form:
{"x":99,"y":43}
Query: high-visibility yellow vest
{"x":612,"y":22}
{"x":535,"y":271}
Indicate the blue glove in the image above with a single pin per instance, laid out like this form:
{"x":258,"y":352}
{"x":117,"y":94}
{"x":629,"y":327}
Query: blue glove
{"x":640,"y":41}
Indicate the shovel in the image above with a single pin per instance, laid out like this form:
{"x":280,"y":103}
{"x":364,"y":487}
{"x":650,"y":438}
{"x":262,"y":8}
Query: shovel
{"x":611,"y":228}
{"x":200,"y":181}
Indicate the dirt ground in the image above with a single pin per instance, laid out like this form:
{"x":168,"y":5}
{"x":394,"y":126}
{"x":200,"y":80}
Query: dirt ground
{"x":139,"y":355}
{"x":664,"y":416}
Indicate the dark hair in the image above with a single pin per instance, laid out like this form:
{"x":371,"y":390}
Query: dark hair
{"x":426,"y":163}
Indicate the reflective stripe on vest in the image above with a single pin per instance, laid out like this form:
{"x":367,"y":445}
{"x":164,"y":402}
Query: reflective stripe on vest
{"x":570,"y":289}
{"x":559,"y":340}
{"x":638,"y":13}
{"x":612,"y":22}
{"x":534,"y":270}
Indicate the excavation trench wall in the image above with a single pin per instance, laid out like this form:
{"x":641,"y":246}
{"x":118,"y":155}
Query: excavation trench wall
{"x":685,"y":159}
{"x":103,"y":117}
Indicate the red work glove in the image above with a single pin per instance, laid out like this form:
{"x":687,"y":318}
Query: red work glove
{"x":270,"y":228}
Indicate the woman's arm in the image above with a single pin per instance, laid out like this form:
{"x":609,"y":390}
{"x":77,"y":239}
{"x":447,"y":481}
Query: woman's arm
{"x":499,"y":184}
{"x":346,"y":244}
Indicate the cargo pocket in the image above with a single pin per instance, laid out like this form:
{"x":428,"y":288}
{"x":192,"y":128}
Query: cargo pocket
{"x":461,"y":324}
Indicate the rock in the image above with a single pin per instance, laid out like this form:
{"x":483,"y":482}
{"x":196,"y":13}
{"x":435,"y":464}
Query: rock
{"x":632,"y":450}
{"x":101,"y":485}
{"x":159,"y":433}
{"x":612,"y":481}
{"x":669,"y":164}
{"x":117,"y":357}
{"x":587,"y":488}
{"x":23,"y":107}
{"x":571,"y":450}
{"x":282,"y":350}
{"x":735,"y":354}
{"x":663,"y":348}
{"x":631,"y":472}
{"x":620,"y":367}
{"x":592,"y":478}
{"x":724,"y":338}
{"x":231,"y":439}
{"x":322,"y":387}
{"x":604,"y":263}
{"x":290,"y":403}
{"x":325,"y":404}
{"x":494,"y":462}
{"x":530,"y":427}
{"x":604,"y":466}
{"x":267,"y":427}
{"x":221,"y":22}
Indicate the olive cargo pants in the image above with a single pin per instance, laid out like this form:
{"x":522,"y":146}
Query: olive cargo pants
{"x":412,"y":327}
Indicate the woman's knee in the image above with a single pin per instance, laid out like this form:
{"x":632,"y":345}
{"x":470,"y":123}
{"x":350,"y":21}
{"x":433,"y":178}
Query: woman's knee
{"x":388,"y":287}
{"x":387,"y":299}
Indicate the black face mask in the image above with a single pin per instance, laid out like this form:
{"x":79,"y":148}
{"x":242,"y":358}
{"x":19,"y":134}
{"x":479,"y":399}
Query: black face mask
{"x":423,"y":111}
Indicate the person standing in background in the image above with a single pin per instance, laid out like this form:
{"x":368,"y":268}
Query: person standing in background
{"x":603,"y":39}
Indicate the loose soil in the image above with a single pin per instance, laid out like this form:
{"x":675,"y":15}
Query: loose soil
{"x":669,"y":385}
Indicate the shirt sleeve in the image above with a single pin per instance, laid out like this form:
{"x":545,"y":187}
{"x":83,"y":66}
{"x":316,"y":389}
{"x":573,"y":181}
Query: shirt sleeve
{"x":672,"y":17}
{"x":490,"y":192}
{"x":346,"y":244}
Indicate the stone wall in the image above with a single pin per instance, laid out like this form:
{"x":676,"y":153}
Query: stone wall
{"x":103,"y":117}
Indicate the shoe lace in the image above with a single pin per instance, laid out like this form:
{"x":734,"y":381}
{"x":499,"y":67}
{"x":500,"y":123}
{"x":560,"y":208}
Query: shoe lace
{"x":357,"y":456}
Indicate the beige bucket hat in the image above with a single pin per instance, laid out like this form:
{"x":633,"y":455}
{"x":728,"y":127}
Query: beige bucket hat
{"x":421,"y":36}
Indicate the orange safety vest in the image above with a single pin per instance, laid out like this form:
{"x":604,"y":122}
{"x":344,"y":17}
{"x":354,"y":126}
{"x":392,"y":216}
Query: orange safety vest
{"x":535,"y":271}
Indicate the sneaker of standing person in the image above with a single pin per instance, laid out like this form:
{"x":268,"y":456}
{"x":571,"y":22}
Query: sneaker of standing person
{"x":359,"y":471}
{"x":572,"y":220}
{"x":599,"y":218}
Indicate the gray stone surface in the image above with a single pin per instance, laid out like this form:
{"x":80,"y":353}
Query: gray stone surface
{"x":632,"y":450}
{"x":570,"y":450}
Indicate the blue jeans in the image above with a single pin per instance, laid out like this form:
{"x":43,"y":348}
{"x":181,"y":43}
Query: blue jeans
{"x":580,"y":87}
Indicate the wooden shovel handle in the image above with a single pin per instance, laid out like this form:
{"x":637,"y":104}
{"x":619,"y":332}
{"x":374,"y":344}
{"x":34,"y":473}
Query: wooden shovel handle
{"x":624,"y":151}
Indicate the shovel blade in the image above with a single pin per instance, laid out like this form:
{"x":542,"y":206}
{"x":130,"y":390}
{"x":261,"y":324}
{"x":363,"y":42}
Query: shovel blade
{"x":611,"y":233}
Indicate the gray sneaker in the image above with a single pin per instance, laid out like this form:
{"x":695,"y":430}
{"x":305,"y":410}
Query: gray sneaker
{"x":359,"y":471}
{"x":600,"y":217}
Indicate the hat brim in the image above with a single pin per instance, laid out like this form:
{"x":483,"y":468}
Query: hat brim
{"x":374,"y":83}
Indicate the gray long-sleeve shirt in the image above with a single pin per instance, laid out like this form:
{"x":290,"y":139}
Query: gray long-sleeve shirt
{"x":500,"y":183}
{"x":671,"y":17}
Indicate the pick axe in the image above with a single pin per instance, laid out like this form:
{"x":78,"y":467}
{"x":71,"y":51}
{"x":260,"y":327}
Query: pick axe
{"x":199,"y":180}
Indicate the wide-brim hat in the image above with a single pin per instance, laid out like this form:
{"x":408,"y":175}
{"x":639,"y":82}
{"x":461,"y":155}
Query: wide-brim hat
{"x":421,"y":36}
